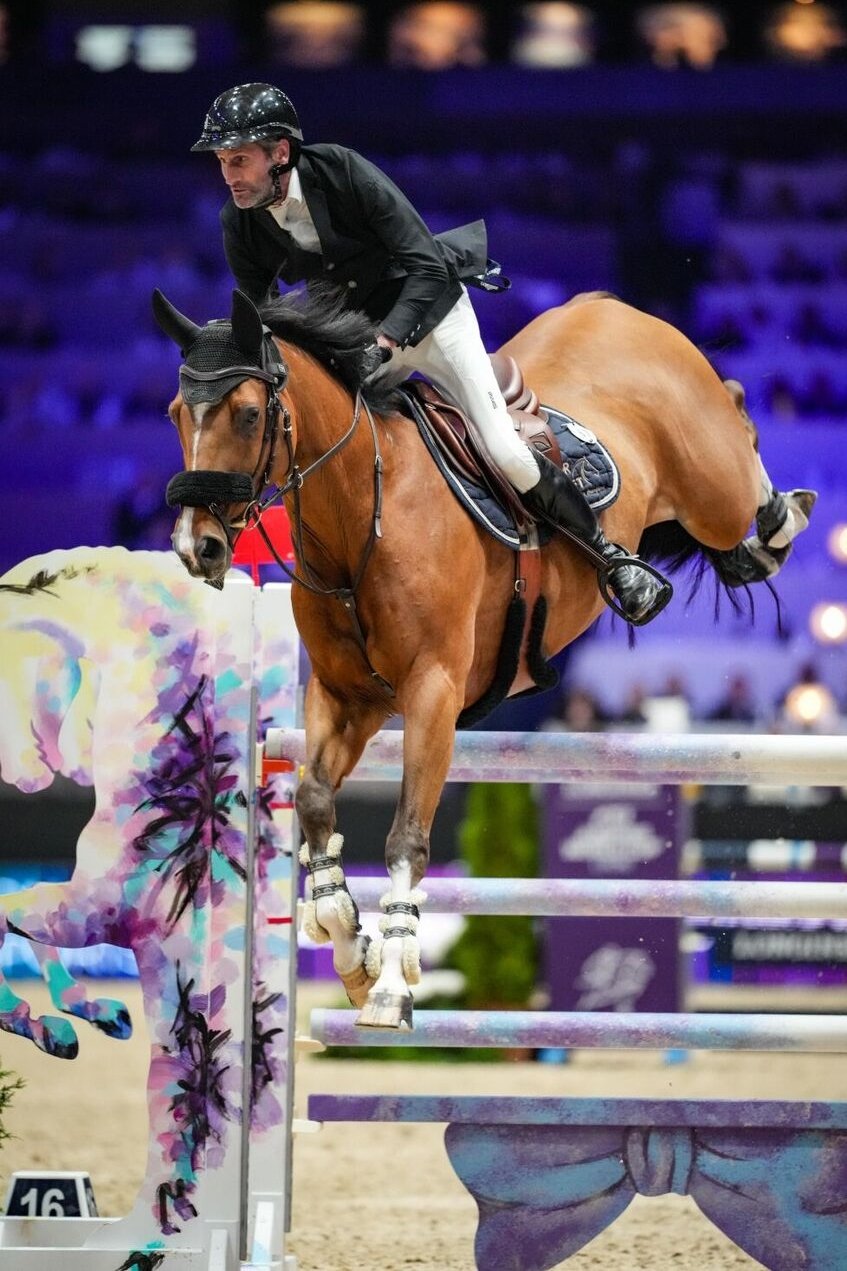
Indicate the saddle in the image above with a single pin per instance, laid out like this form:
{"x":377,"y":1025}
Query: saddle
{"x":449,"y":428}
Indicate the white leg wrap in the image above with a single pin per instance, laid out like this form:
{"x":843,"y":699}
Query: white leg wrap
{"x":411,"y":960}
{"x":311,"y":926}
{"x":373,"y":959}
{"x":401,"y":952}
{"x":334,"y":915}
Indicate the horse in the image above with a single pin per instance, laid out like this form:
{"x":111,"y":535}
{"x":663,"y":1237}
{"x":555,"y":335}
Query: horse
{"x":119,"y":674}
{"x":401,"y":598}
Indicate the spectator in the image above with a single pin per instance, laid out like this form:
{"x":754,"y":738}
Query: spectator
{"x":633,"y":709}
{"x":554,"y":35}
{"x":578,"y":712}
{"x":738,"y":705}
{"x":435,"y":36}
{"x":808,"y":704}
{"x":805,"y":33}
{"x":682,"y":35}
{"x":314,"y":35}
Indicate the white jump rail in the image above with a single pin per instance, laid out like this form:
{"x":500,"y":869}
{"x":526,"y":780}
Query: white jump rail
{"x":552,"y":758}
{"x":626,"y":898}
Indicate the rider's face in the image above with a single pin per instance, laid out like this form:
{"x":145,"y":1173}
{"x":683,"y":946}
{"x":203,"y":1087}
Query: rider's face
{"x":245,"y":171}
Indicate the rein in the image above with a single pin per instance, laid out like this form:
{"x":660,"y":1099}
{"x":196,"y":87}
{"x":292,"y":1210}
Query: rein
{"x":214,"y":490}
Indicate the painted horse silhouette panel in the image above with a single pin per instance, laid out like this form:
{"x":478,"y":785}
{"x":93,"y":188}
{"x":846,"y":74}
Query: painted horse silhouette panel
{"x":122,"y":673}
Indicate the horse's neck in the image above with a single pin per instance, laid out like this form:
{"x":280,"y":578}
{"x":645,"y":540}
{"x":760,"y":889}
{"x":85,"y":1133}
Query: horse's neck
{"x":130,"y":644}
{"x":336,"y":499}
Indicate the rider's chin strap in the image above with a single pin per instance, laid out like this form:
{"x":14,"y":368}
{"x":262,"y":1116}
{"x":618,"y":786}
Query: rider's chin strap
{"x":275,"y":172}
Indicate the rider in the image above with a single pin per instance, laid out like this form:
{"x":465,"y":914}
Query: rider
{"x":301,"y":212}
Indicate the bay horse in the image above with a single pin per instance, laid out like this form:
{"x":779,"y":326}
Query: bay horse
{"x":403,"y":597}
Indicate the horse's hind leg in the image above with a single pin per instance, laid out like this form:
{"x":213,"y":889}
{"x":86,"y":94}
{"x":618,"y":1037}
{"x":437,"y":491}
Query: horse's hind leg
{"x":336,"y":735}
{"x":431,"y":707}
{"x":107,"y":1014}
{"x":780,"y":517}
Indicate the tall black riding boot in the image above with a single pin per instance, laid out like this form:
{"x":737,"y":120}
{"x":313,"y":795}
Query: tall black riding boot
{"x":641,"y":592}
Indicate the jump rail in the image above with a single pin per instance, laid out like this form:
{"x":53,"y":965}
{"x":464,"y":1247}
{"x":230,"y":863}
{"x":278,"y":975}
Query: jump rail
{"x":601,"y":1030}
{"x":626,"y":898}
{"x":701,"y":758}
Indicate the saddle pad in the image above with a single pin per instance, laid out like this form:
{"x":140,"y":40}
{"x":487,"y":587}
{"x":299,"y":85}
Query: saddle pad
{"x":585,"y":460}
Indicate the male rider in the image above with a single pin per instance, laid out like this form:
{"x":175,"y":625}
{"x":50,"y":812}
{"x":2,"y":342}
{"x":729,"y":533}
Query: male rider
{"x":300,"y":212}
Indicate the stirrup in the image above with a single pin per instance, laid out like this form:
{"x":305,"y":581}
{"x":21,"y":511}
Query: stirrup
{"x":663,"y":596}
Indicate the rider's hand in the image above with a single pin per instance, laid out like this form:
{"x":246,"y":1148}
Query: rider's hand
{"x":372,"y":358}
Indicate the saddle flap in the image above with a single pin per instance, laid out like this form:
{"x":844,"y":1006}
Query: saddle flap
{"x":450,"y":427}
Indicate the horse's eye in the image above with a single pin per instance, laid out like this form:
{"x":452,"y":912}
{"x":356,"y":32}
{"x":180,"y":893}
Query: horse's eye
{"x":250,"y":415}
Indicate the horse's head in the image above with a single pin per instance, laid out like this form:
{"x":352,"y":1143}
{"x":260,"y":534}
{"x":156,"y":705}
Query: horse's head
{"x":226,"y":412}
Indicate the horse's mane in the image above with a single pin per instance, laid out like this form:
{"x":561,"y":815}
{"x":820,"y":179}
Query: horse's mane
{"x":44,"y":581}
{"x":319,"y":321}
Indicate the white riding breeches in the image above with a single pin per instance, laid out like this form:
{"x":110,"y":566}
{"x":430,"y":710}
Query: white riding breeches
{"x":454,"y":358}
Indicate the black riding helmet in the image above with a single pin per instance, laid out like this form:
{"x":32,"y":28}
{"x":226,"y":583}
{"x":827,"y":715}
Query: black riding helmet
{"x":249,"y":112}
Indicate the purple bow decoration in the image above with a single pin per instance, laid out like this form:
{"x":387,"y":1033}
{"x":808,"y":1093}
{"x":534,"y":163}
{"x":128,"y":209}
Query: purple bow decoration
{"x":544,"y":1191}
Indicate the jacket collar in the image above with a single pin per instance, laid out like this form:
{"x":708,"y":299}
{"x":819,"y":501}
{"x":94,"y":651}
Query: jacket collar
{"x":334,"y":244}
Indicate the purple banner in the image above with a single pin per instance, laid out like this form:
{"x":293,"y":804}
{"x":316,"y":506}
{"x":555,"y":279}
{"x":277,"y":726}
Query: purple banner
{"x":613,"y":831}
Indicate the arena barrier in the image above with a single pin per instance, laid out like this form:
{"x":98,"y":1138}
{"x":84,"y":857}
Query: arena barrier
{"x":193,"y":866}
{"x":547,"y":1174}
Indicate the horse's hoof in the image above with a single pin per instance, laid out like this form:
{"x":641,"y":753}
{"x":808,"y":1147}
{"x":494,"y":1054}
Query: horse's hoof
{"x":56,"y":1037}
{"x":387,"y":1010}
{"x":111,"y":1018}
{"x":357,"y":984}
{"x":805,"y":500}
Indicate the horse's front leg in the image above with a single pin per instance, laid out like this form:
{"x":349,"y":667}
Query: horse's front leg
{"x":336,"y":734}
{"x":64,"y":915}
{"x":50,"y":1033}
{"x":431,"y":705}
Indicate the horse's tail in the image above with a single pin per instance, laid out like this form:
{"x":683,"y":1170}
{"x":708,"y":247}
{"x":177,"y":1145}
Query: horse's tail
{"x":670,"y":546}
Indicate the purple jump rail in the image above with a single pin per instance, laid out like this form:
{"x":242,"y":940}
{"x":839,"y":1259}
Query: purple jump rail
{"x":705,"y":759}
{"x":548,"y":1175}
{"x":625,"y":898}
{"x":592,"y":1029}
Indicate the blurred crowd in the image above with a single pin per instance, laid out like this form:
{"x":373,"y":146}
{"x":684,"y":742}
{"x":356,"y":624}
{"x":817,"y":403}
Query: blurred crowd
{"x":431,"y":35}
{"x":807,"y":703}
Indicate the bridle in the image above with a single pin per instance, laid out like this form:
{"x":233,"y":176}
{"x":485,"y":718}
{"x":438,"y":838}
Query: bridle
{"x":215,"y":490}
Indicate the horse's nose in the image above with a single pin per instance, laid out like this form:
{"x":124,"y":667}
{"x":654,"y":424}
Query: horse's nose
{"x":210,"y":552}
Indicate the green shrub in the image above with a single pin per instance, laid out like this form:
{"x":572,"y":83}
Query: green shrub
{"x":8,"y":1085}
{"x":499,"y":957}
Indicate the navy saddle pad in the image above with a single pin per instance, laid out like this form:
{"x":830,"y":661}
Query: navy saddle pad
{"x":585,"y":460}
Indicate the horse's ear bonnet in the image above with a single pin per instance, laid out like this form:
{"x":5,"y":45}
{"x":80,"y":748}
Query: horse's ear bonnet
{"x":212,"y":351}
{"x":178,"y":328}
{"x":247,"y":329}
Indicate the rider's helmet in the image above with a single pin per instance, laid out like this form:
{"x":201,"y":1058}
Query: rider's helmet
{"x":249,"y":112}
